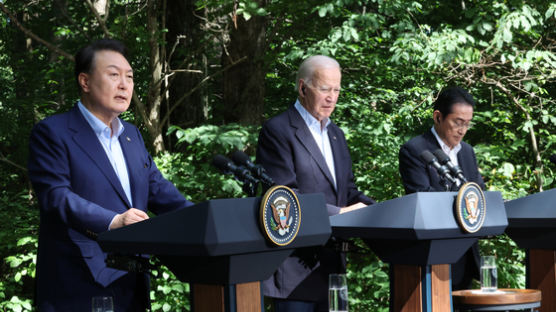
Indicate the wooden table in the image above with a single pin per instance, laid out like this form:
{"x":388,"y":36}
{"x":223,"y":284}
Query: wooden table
{"x":504,"y":299}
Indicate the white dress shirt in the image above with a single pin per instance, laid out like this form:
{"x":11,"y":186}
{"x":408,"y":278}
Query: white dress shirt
{"x":451,"y":152}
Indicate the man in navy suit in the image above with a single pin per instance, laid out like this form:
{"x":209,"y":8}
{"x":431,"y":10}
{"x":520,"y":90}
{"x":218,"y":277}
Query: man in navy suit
{"x":303,"y":149}
{"x":453,"y":112}
{"x":92,"y":173}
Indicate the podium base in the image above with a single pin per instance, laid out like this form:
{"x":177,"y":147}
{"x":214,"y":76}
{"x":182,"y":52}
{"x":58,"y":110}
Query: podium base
{"x":421,"y":288}
{"x":245,"y":297}
{"x":542,"y":275}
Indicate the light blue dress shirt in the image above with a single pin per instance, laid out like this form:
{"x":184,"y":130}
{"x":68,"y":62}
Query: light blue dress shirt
{"x":320,"y":134}
{"x":111,"y":146}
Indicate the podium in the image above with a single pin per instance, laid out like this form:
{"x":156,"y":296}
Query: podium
{"x":532,"y":225}
{"x":219,"y":247}
{"x":418,"y":234}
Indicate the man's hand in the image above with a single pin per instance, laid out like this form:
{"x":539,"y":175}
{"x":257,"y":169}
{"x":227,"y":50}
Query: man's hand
{"x":131,"y":216}
{"x":353,"y":207}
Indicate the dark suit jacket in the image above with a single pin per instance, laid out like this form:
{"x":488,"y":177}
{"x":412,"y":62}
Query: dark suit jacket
{"x":79,"y":194}
{"x":290,"y":155}
{"x":417,"y":176}
{"x":420,"y":177}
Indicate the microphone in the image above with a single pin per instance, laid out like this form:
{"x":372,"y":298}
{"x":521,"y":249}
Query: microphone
{"x":553,"y":159}
{"x":258,"y":171}
{"x":227,"y":166}
{"x":444,"y":172}
{"x":454,"y":169}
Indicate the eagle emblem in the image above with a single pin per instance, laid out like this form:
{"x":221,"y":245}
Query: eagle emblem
{"x":470,"y":207}
{"x":280,"y":215}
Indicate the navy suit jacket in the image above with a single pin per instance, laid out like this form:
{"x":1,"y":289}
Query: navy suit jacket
{"x":79,"y":194}
{"x":417,"y":176}
{"x":290,"y":155}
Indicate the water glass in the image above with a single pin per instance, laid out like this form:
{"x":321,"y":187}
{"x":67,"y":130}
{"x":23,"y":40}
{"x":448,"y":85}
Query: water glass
{"x":489,"y":275}
{"x":102,"y":304}
{"x":337,"y":293}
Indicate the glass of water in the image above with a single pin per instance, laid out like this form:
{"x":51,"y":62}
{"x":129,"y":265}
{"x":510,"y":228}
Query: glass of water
{"x":337,"y":293}
{"x":489,"y":276}
{"x":102,"y":304}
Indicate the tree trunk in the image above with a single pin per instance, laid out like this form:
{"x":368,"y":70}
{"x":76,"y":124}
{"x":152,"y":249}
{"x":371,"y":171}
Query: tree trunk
{"x":185,"y":49}
{"x":243,"y":85}
{"x":154,"y":96}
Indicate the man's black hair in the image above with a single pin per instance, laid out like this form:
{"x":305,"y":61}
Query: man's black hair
{"x":450,"y":96}
{"x":85,"y":57}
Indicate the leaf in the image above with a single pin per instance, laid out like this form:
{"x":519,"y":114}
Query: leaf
{"x":487,"y":26}
{"x":550,"y":12}
{"x":246,"y":15}
{"x":507,"y":35}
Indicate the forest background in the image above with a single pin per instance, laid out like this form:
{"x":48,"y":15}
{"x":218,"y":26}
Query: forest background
{"x":209,"y":72}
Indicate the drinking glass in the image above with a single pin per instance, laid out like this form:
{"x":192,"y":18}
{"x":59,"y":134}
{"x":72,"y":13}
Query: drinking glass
{"x":337,"y":293}
{"x":102,"y":304}
{"x":489,"y":276}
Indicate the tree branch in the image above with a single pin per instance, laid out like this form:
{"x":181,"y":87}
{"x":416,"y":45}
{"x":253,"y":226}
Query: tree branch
{"x":9,"y":162}
{"x":207,"y":78}
{"x":30,"y":34}
{"x":99,"y":19}
{"x":534,"y":145}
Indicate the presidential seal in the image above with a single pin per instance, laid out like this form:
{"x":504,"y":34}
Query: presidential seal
{"x":470,"y":207}
{"x":280,"y":215}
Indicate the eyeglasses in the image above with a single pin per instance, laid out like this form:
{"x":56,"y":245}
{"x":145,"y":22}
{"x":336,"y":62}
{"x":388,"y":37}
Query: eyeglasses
{"x":460,"y":125}
{"x":326,"y":90}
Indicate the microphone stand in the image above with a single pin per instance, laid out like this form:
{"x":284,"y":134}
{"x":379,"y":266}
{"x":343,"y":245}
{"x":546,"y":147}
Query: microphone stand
{"x":249,"y":188}
{"x":447,"y":187}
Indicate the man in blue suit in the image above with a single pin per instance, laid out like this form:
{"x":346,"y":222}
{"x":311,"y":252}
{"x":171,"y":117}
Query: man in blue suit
{"x":303,"y":149}
{"x":452,"y":116}
{"x":92,"y":173}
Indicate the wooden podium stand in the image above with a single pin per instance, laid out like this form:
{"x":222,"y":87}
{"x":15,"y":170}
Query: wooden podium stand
{"x":532,"y":225}
{"x":219,"y":248}
{"x":419,"y":236}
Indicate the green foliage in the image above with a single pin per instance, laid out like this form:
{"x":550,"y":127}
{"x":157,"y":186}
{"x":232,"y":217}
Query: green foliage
{"x":19,"y":227}
{"x":193,"y":175}
{"x":168,"y":293}
{"x":395,"y":56}
{"x":191,"y":170}
{"x":368,"y":281}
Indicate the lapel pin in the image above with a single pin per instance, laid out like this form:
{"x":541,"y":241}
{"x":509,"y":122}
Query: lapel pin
{"x":333,"y":137}
{"x":128,"y":139}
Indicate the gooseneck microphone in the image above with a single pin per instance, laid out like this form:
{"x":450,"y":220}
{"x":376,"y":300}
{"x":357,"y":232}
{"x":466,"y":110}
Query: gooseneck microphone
{"x":442,"y":170}
{"x":242,"y":159}
{"x":227,"y":166}
{"x":446,"y":161}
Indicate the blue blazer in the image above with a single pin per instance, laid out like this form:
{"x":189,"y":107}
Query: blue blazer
{"x":79,"y":194}
{"x":417,"y":176}
{"x":290,"y":155}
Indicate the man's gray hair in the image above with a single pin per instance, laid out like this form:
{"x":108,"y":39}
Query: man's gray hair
{"x":312,"y":63}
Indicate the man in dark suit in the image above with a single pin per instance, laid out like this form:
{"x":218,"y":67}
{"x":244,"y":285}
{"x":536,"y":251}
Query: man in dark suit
{"x":303,"y":149}
{"x":91,"y":173}
{"x":453,"y":112}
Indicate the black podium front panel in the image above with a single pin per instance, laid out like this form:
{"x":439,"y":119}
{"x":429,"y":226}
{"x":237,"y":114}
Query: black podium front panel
{"x":218,"y":241}
{"x":418,"y":228}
